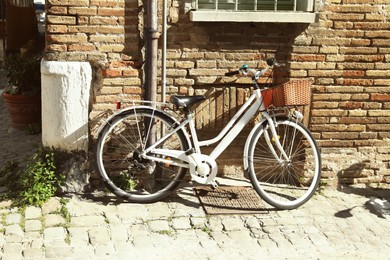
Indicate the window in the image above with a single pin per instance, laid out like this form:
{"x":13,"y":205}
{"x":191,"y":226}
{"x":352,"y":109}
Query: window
{"x":299,"y":11}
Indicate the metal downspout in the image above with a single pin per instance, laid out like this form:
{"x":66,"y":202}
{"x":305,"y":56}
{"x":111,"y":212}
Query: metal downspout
{"x":3,"y":14}
{"x":164,"y":53}
{"x":151,"y":54}
{"x":152,"y":35}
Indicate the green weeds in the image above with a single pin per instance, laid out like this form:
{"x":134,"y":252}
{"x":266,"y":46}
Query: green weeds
{"x":35,"y":184}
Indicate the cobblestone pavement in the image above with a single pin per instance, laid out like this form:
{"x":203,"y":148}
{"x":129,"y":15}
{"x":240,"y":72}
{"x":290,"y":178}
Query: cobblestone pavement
{"x":351,"y":223}
{"x":333,"y":224}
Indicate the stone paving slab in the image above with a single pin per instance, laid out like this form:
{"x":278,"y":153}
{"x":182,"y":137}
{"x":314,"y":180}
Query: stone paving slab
{"x":333,"y":224}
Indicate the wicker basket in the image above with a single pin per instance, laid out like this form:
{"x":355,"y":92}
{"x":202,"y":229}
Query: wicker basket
{"x":292,"y":93}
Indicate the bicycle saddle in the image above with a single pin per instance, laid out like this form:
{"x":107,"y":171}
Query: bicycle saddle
{"x":186,"y":101}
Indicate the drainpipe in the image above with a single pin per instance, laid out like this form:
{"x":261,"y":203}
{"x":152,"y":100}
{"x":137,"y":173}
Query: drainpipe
{"x":164,"y":53}
{"x":152,"y":35}
{"x":3,"y":14}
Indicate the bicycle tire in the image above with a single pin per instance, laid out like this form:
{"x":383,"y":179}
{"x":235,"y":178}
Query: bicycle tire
{"x":285,"y":184}
{"x":120,"y":143}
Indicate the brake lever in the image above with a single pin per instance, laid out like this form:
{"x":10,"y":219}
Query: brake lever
{"x":277,"y":64}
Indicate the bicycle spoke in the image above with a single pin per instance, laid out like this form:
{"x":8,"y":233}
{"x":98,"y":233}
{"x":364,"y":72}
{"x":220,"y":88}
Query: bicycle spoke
{"x":121,"y":161}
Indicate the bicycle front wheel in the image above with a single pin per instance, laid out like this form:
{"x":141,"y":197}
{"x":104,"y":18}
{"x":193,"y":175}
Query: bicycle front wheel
{"x":120,"y":149}
{"x":285,"y":183}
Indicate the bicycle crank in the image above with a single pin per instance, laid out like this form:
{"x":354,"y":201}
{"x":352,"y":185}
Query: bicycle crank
{"x":204,"y":169}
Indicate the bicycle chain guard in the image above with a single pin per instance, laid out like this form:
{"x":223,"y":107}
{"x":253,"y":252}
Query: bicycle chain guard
{"x":206,"y":169}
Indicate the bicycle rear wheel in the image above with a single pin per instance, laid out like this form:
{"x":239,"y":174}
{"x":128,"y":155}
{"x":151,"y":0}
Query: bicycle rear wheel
{"x":284,"y":184}
{"x":120,"y":146}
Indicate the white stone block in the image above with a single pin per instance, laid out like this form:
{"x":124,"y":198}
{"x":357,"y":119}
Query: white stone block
{"x":65,"y":104}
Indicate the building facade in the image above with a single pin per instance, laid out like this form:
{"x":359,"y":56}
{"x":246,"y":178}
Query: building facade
{"x":95,"y":52}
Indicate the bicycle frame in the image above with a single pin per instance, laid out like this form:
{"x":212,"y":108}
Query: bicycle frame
{"x":234,"y":126}
{"x":225,"y":137}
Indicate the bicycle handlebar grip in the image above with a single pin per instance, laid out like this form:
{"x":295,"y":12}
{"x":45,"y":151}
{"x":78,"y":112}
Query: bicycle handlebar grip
{"x":231,"y":73}
{"x":271,"y":61}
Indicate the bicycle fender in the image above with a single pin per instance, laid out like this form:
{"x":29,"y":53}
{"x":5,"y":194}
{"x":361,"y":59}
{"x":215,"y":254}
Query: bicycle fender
{"x":115,"y":114}
{"x":247,"y":143}
{"x":143,"y":107}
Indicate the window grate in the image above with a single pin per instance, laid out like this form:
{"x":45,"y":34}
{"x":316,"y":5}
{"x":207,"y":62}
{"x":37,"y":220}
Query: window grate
{"x":255,"y":5}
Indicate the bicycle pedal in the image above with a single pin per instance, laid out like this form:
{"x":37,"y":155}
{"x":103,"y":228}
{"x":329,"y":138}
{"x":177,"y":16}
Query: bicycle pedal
{"x":214,"y":184}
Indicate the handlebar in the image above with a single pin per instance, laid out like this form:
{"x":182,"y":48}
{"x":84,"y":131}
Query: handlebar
{"x":232,"y":73}
{"x":245,"y":70}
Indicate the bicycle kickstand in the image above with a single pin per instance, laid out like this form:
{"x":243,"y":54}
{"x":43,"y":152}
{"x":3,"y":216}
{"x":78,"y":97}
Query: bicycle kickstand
{"x":214,"y":184}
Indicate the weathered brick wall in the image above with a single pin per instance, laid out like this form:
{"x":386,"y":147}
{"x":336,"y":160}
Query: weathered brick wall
{"x":346,"y":53}
{"x":105,"y":33}
{"x":350,"y":110}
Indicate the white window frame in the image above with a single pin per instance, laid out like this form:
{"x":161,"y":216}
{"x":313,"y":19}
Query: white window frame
{"x":302,"y":12}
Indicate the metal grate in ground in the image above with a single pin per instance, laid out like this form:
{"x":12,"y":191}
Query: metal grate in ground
{"x":230,"y":200}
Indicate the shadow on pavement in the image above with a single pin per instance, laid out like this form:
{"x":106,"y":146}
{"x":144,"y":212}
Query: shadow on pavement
{"x":377,"y":203}
{"x":377,"y":200}
{"x":183,"y":195}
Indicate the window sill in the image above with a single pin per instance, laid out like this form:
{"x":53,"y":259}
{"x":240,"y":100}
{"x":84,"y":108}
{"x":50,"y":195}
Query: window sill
{"x":252,"y":16}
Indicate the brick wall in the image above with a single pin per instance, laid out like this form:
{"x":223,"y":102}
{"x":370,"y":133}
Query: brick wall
{"x":350,"y":110}
{"x":346,"y":53}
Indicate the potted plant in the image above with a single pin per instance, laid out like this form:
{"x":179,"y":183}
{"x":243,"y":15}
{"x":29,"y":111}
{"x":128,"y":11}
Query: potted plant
{"x":23,"y":94}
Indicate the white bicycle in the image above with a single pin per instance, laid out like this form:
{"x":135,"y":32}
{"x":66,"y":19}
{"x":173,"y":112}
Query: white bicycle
{"x":143,"y":152}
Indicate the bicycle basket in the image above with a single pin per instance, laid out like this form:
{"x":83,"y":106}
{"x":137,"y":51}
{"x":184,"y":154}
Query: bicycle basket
{"x":292,"y":93}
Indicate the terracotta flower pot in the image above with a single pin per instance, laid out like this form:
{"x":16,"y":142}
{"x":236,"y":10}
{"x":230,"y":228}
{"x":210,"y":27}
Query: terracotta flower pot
{"x":24,"y":110}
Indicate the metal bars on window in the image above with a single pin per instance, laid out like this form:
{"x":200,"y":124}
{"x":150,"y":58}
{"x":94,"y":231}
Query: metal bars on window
{"x":255,"y":5}
{"x":21,"y":3}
